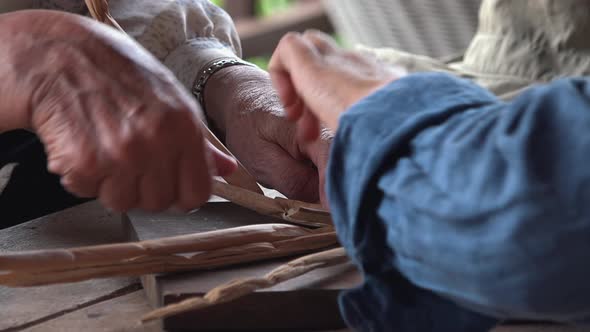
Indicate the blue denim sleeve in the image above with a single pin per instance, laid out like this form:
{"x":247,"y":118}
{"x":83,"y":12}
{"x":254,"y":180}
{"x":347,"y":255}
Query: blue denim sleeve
{"x":461,"y":209}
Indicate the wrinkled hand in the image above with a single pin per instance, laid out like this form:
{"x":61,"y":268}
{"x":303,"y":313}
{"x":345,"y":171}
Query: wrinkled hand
{"x":115,"y":123}
{"x":317,"y":81}
{"x":246,"y":110}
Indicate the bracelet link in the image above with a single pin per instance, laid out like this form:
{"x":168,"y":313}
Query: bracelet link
{"x":215,"y":66}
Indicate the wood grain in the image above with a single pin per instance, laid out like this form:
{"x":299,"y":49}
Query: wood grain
{"x":118,"y":314}
{"x":307,"y":302}
{"x":88,"y":224}
{"x":239,"y":288}
{"x":293,"y":211}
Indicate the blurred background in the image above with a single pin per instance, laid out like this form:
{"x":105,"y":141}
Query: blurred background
{"x":436,"y":28}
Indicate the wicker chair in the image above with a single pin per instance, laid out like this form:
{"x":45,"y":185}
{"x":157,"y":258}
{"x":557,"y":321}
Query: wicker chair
{"x":436,"y":28}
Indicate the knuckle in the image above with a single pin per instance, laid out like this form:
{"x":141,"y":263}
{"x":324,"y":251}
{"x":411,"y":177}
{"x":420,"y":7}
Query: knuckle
{"x":309,"y":32}
{"x":315,"y":36}
{"x":290,"y":37}
{"x":57,"y":165}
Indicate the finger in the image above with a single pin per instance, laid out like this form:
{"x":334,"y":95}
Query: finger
{"x":93,"y":161}
{"x":194,"y":179}
{"x":222,"y":163}
{"x":78,"y":162}
{"x":288,"y":95}
{"x":296,"y":179}
{"x":120,"y":193}
{"x":162,"y":138}
{"x":157,"y":186}
{"x":295,"y":56}
{"x":82,"y":186}
{"x":81,"y":177}
{"x":67,"y":136}
{"x":302,"y":61}
{"x":323,"y":42}
{"x":319,"y":152}
{"x":295,"y":111}
{"x":308,"y":127}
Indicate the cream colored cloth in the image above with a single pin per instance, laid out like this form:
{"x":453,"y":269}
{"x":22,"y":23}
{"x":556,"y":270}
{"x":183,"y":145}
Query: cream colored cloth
{"x":5,"y":173}
{"x":518,"y":43}
{"x":185,"y":35}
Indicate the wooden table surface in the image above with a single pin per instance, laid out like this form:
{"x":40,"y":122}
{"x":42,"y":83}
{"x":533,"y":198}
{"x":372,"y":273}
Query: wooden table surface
{"x":97,"y":305}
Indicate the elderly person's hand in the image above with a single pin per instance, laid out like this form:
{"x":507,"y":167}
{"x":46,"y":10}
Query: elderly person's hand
{"x":115,"y":123}
{"x":317,"y":80}
{"x":247,"y":113}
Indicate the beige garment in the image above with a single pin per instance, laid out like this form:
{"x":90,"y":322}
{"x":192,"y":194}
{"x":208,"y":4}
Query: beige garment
{"x":518,"y":43}
{"x":185,"y":35}
{"x":5,"y":172}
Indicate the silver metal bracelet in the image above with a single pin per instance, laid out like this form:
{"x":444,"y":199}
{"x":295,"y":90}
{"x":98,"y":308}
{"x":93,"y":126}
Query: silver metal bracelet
{"x":215,"y":66}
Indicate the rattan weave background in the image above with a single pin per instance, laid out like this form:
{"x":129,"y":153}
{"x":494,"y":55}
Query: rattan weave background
{"x":437,"y":28}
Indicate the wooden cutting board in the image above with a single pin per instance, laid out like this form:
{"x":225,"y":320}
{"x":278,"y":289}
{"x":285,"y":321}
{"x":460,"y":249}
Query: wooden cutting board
{"x":306,"y":303}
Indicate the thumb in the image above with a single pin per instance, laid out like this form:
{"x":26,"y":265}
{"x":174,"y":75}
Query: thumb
{"x":222,"y":163}
{"x":298,"y":73}
{"x":292,"y":53}
{"x":295,"y":58}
